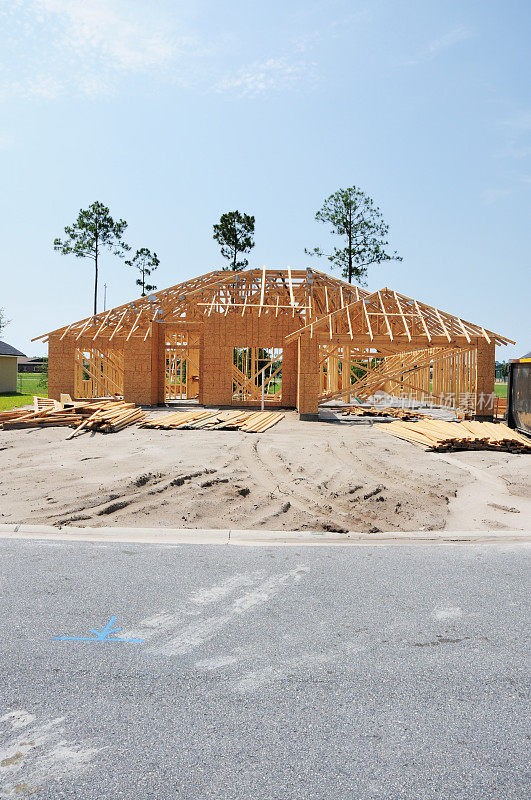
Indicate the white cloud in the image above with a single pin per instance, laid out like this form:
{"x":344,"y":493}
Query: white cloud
{"x":85,"y":47}
{"x":490,"y":196}
{"x":519,"y":123}
{"x":6,"y":141}
{"x":274,"y":74}
{"x":513,"y":150}
{"x":442,"y":43}
{"x":123,"y":33}
{"x":517,"y":129}
{"x":95,"y":48}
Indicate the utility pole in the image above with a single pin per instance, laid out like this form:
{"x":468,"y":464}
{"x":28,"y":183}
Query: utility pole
{"x":105,"y":297}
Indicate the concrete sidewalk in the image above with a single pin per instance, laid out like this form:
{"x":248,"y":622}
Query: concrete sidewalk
{"x":258,"y":537}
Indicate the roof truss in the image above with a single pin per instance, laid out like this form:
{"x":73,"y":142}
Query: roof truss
{"x":387,"y":316}
{"x":320,"y":304}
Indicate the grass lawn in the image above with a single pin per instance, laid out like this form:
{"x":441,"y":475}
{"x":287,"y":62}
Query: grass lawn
{"x":28,"y":384}
{"x":9,"y":400}
{"x":500,"y":389}
{"x":31,"y":383}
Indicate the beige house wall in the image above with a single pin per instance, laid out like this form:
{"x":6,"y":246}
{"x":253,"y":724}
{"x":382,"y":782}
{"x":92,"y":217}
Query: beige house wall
{"x":8,"y":373}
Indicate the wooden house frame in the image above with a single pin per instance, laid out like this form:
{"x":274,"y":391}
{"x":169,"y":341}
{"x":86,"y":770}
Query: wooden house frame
{"x":304,"y":336}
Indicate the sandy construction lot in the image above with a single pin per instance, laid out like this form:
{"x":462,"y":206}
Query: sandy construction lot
{"x":296,"y":476}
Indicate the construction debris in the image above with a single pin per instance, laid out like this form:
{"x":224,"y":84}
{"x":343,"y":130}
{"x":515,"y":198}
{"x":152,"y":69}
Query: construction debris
{"x":109,"y":417}
{"x":106,"y":414}
{"x":250,"y":422}
{"x":38,"y":419}
{"x":110,"y":414}
{"x":401,"y":413}
{"x":47,"y":403}
{"x":465,"y":435}
{"x":500,"y":406}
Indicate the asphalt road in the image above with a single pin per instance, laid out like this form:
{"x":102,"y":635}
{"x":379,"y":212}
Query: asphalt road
{"x":264,"y":673}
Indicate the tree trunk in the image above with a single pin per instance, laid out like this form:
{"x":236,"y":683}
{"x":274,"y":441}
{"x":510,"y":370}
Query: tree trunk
{"x":96,"y":280}
{"x":350,"y":246}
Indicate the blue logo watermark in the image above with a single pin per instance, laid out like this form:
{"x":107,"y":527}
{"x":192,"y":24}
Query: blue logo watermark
{"x":105,"y":635}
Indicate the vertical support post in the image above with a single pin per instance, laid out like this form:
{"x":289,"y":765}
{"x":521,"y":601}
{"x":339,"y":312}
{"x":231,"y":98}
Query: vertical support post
{"x":158,"y":341}
{"x":60,"y":366}
{"x":485,"y":374}
{"x":138,"y":386}
{"x":308,"y":378}
{"x":216,"y":364}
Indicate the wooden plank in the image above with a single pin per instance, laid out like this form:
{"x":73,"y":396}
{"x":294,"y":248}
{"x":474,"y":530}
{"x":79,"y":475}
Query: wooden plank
{"x":367,"y":321}
{"x":117,"y":328}
{"x":421,"y":315}
{"x":389,"y":331}
{"x":402,"y":315}
{"x":290,"y":284}
{"x":262,"y":292}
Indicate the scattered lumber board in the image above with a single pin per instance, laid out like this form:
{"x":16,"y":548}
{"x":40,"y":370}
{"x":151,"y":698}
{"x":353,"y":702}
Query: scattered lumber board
{"x":14,"y":414}
{"x":261,"y":421}
{"x":106,"y":414}
{"x":248,"y":421}
{"x":45,"y":403}
{"x":110,"y":416}
{"x":176,"y":419}
{"x":465,"y":435}
{"x":371,"y":411}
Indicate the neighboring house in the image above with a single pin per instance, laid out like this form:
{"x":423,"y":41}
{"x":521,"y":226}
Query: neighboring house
{"x":33,"y":364}
{"x":8,"y":367}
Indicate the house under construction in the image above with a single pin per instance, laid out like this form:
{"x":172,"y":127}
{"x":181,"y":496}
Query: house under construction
{"x":289,"y":338}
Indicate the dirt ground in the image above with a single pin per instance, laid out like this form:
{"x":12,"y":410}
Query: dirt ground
{"x":296,"y":476}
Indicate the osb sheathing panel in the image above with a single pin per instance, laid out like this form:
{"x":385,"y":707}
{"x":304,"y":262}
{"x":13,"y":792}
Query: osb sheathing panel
{"x":60,"y":366}
{"x":308,"y":376}
{"x":138,"y":384}
{"x":157,"y":363}
{"x":222,"y":334}
{"x":485,"y":370}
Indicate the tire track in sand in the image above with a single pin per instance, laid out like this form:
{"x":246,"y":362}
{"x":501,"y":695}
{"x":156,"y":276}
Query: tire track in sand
{"x":270,"y":472}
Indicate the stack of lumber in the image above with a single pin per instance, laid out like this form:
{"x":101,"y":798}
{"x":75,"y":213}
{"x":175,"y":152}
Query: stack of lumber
{"x":14,"y":414}
{"x":400,"y":413}
{"x":465,"y":435}
{"x":48,"y":418}
{"x":177,"y":419}
{"x":260,"y":421}
{"x":500,"y":406}
{"x":250,"y":422}
{"x":107,"y":414}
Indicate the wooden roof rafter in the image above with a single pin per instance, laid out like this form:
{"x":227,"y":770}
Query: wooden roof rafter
{"x":160,"y":300}
{"x":386,"y":314}
{"x":323,"y":304}
{"x":298,"y":292}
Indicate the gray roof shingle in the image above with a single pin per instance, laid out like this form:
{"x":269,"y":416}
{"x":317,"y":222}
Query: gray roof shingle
{"x":7,"y":350}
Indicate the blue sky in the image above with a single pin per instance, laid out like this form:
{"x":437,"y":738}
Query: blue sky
{"x":172,"y":112}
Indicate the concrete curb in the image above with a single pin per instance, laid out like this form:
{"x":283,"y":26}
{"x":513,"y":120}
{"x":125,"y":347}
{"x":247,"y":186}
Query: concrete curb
{"x":257,"y":537}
